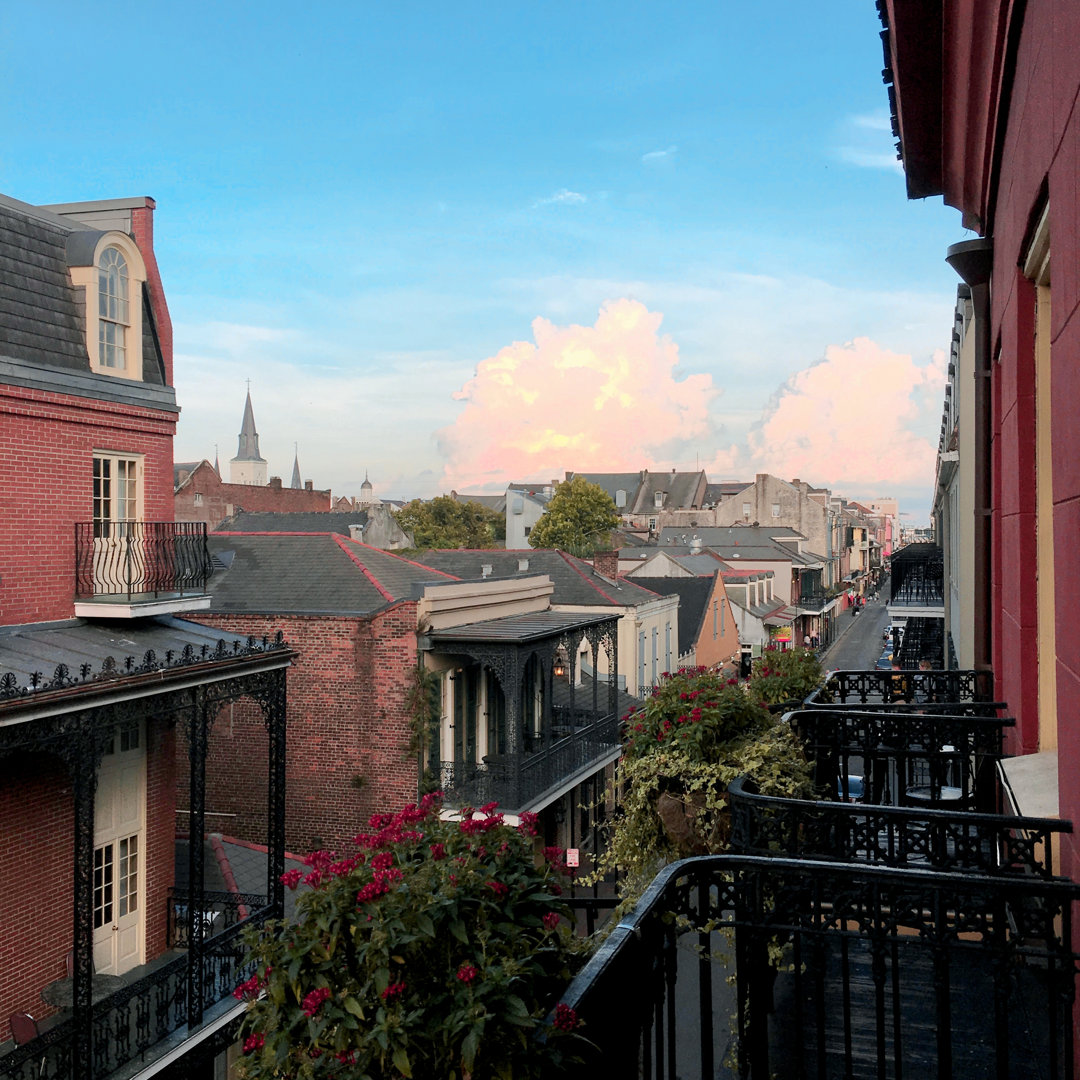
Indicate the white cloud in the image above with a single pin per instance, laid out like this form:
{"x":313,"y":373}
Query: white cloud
{"x":871,"y":159}
{"x":654,"y":157}
{"x":563,"y":195}
{"x":876,"y":121}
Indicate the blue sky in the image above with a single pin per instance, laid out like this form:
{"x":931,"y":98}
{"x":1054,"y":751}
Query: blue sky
{"x":362,"y":208}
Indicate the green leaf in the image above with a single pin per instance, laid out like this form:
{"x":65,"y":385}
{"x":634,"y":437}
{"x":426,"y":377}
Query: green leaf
{"x":401,"y":1062}
{"x":425,"y":925}
{"x":470,"y":1046}
{"x":353,"y":1006}
{"x":457,"y":928}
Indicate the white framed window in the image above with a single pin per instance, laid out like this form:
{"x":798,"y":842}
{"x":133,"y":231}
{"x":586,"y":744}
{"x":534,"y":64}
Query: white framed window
{"x":112,"y":273}
{"x":745,"y":509}
{"x":776,"y":510}
{"x":198,"y":498}
{"x":658,"y":499}
{"x":117,"y":493}
{"x":113,"y":307}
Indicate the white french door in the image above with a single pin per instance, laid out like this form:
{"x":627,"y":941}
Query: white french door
{"x":119,"y":855}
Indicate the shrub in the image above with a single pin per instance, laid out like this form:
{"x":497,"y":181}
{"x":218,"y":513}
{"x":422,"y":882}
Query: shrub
{"x":785,"y":675}
{"x":437,"y":949}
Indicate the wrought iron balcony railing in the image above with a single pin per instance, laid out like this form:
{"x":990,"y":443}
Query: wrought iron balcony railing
{"x":927,"y":838}
{"x":875,"y":972}
{"x":149,"y":1010}
{"x":889,"y":687}
{"x":918,"y":576}
{"x":515,"y":781}
{"x":134,"y":559}
{"x":217,"y":911}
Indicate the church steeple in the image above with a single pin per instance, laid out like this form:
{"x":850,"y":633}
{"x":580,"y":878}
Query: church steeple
{"x":296,"y":482}
{"x":249,"y":466}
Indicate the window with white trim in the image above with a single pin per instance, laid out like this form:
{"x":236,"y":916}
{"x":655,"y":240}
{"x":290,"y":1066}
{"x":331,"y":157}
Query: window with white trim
{"x":117,"y":494}
{"x":113,"y":307}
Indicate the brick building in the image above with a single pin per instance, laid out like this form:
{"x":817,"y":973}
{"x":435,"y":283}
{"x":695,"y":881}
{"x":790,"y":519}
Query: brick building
{"x":100,"y":681}
{"x":366,"y":623}
{"x":201,"y":495}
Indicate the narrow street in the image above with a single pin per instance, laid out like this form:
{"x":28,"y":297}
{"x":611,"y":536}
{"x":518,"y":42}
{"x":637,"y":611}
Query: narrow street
{"x":859,"y":643}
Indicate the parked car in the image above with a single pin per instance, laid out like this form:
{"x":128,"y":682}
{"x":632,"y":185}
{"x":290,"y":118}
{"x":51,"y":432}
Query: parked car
{"x":884,"y":661}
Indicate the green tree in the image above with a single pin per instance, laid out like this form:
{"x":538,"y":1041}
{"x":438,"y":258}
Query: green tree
{"x":443,"y":522}
{"x":578,"y":519}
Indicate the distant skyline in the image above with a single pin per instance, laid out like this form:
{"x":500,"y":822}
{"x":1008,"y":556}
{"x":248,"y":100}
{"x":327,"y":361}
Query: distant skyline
{"x":457,"y":246}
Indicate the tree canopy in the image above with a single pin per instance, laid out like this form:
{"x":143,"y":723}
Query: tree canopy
{"x":443,"y":522}
{"x":578,"y":519}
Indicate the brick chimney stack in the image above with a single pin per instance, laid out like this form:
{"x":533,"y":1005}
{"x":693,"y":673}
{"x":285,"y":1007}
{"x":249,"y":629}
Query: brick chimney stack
{"x":606,"y":563}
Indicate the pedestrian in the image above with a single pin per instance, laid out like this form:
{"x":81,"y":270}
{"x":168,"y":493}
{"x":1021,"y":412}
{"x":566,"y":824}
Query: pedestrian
{"x":814,"y":641}
{"x":806,"y":641}
{"x":923,"y":684}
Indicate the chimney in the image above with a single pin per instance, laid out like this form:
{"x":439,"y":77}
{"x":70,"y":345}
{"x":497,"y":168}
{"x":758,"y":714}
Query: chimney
{"x":309,"y":485}
{"x":356,"y":532}
{"x":606,"y":563}
{"x":275,"y":483}
{"x":695,"y":545}
{"x":523,"y":565}
{"x":485,"y":570}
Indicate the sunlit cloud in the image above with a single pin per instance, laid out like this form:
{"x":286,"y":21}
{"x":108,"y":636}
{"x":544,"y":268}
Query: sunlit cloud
{"x":876,"y":121}
{"x":655,"y":157}
{"x":855,"y":421}
{"x":871,"y":159}
{"x":580,"y":397}
{"x":564,"y":196}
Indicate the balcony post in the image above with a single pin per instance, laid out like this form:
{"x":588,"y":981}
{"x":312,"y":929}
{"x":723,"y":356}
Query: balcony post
{"x":81,"y":754}
{"x":274,"y":716}
{"x":197,"y":731}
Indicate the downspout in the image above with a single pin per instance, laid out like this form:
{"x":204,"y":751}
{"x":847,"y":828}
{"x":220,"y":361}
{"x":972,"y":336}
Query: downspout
{"x":973,"y":260}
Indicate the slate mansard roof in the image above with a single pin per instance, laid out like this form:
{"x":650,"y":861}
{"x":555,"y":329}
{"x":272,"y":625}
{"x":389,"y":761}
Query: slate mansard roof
{"x":309,"y":574}
{"x":576,"y":582}
{"x":42,"y":314}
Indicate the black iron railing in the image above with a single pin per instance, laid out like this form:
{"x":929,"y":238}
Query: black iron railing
{"x":918,"y":576}
{"x":216,"y":911}
{"x":875,"y":972}
{"x":515,"y":781}
{"x":906,"y":758}
{"x":929,"y":838}
{"x":129,"y":559}
{"x":905,"y":687}
{"x":131,"y":1021}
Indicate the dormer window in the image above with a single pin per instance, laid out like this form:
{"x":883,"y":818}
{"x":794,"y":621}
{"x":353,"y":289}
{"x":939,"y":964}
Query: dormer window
{"x":109,"y":268}
{"x":112,"y":309}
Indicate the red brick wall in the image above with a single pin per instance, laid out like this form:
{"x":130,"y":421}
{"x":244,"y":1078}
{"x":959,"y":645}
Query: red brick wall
{"x":347,"y":720}
{"x":142,"y":225}
{"x":220,"y":500}
{"x":36,"y":836}
{"x":47,"y":442}
{"x":161,"y":829}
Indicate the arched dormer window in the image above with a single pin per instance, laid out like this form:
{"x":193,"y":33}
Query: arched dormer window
{"x":113,"y":322}
{"x":110,"y":268}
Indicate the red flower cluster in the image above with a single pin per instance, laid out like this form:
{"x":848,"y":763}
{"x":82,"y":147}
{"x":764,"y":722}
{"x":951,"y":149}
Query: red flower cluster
{"x":383,"y":861}
{"x":527,"y":824}
{"x":500,"y":889}
{"x":393,"y":991}
{"x":391,"y":827}
{"x":253,"y":1042}
{"x":438,"y":851}
{"x":565,"y":1018}
{"x":473,"y":826}
{"x":291,"y":878}
{"x":467,"y":973}
{"x":252,"y":986}
{"x":346,"y":1057}
{"x":550,"y":920}
{"x":378,"y":886}
{"x":313,"y":1001}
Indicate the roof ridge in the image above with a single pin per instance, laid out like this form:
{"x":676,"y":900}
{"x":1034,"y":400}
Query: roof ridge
{"x":566,"y":558}
{"x":400,"y":558}
{"x":363,"y":569}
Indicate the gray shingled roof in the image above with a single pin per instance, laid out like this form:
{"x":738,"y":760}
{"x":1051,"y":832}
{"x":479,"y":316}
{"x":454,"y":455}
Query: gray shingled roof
{"x":576,"y":582}
{"x":746,"y":541}
{"x":614,"y":482}
{"x":297,"y":521}
{"x":42,"y":315}
{"x":309,"y":574}
{"x":680,"y":491}
{"x":693,"y":594}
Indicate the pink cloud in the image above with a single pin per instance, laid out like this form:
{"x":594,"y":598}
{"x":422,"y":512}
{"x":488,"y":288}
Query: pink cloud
{"x":576,"y":397}
{"x":849,"y":421}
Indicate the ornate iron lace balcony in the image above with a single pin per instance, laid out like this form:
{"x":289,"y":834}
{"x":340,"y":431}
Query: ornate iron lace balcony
{"x":141,"y":1019}
{"x":519,"y":781}
{"x":149,"y":567}
{"x":918,"y":577}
